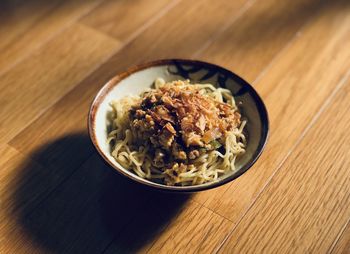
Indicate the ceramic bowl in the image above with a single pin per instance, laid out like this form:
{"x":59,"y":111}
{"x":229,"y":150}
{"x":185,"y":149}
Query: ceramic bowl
{"x":138,"y":78}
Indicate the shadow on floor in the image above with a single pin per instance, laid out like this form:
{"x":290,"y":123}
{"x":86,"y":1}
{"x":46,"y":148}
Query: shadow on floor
{"x":86,"y":209}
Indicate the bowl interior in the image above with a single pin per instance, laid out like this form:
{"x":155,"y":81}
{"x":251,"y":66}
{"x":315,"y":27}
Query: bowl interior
{"x":139,"y":79}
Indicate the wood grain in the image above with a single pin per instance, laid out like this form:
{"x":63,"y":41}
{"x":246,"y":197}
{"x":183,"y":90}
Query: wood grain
{"x":250,"y":43}
{"x":8,"y":162}
{"x":121,"y":19}
{"x":68,"y":59}
{"x":307,"y":202}
{"x":57,"y":195}
{"x":78,"y":122}
{"x":291,"y":90}
{"x":110,"y":203}
{"x":63,"y":230}
{"x":285,"y":87}
{"x":50,"y":125}
{"x":54,"y":122}
{"x":193,"y":29}
{"x":200,"y":235}
{"x":65,"y":117}
{"x":343,"y":244}
{"x":10,"y":228}
{"x":26,"y":25}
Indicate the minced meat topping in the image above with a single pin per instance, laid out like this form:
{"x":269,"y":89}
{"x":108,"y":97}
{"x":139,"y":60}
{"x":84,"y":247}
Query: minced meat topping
{"x":181,"y":122}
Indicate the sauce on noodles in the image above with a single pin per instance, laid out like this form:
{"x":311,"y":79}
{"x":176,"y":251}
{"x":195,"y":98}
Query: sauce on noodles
{"x":178,"y":133}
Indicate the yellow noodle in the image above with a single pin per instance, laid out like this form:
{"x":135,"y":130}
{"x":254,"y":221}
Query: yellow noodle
{"x":207,"y":167}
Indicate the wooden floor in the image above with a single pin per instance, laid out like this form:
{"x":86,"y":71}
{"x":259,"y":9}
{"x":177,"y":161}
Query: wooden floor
{"x":56,"y":194}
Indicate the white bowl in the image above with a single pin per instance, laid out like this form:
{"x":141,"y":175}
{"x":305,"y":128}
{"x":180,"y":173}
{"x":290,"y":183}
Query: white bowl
{"x":138,"y":78}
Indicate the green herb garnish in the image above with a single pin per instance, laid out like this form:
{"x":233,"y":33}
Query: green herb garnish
{"x":215,"y":144}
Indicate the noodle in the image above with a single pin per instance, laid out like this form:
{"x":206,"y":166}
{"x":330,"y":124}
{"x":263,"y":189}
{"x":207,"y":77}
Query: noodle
{"x":153,"y":159}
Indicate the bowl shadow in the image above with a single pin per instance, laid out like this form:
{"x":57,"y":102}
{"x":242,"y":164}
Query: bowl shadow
{"x":88,"y":209}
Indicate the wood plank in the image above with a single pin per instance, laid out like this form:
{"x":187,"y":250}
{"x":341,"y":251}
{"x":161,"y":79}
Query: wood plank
{"x":162,"y":209}
{"x":160,"y":40}
{"x":307,"y":203}
{"x":84,"y":214}
{"x":199,"y":235}
{"x":249,"y":44}
{"x":284,"y":88}
{"x":50,"y":126}
{"x":12,"y":168}
{"x":52,"y":156}
{"x":53,"y":118}
{"x":231,"y":196}
{"x":121,"y":19}
{"x":343,"y":244}
{"x":43,"y":178}
{"x":12,"y":232}
{"x":71,"y":124}
{"x":75,"y":125}
{"x":285,"y":82}
{"x":93,"y":196}
{"x":10,"y":159}
{"x":61,"y":230}
{"x":107,"y":212}
{"x":17,"y":222}
{"x":32,"y":86}
{"x":69,"y":114}
{"x":26,"y":25}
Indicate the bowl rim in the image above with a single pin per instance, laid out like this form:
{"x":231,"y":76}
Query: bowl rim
{"x":106,"y":88}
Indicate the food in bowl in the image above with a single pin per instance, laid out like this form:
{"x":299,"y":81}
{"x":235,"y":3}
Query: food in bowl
{"x":178,"y":133}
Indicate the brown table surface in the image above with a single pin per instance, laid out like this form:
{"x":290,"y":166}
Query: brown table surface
{"x":58,"y":196}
